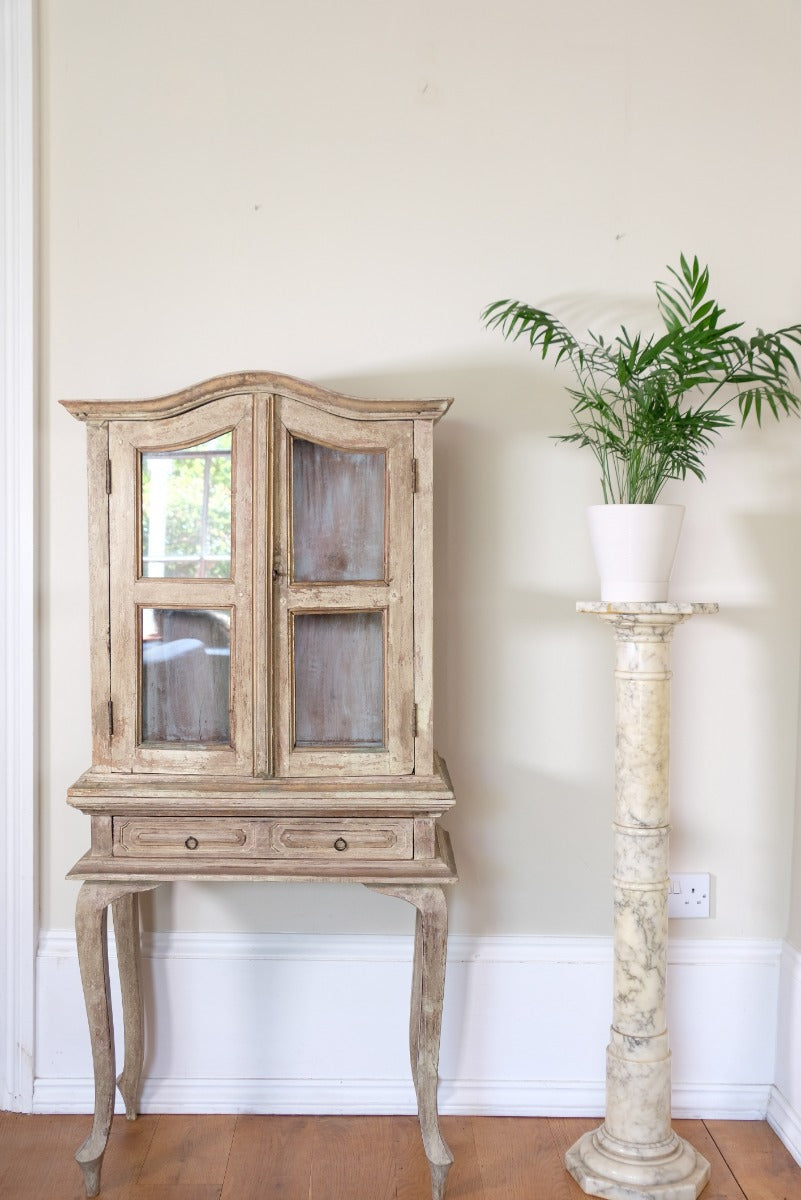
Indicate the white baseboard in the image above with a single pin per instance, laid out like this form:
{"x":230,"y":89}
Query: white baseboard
{"x":784,"y":1108}
{"x":318,"y":1024}
{"x":785,"y":1121}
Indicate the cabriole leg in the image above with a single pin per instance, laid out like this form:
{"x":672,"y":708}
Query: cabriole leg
{"x":125,"y":912}
{"x":425,"y":1025}
{"x":91,"y":926}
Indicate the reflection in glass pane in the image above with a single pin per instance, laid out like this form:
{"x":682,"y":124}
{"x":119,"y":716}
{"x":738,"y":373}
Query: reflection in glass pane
{"x":186,"y":511}
{"x":337,"y":513}
{"x":339,"y":679}
{"x":186,"y":675}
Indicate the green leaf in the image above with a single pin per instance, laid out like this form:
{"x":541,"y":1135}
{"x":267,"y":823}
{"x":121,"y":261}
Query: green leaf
{"x":650,"y":408}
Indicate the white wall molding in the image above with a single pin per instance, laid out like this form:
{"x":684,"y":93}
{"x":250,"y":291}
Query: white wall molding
{"x":18,"y":889}
{"x":784,"y":1109}
{"x":318,"y":1024}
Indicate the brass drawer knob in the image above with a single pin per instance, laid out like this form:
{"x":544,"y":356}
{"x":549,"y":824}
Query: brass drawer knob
{"x":340,"y":844}
{"x":191,"y":843}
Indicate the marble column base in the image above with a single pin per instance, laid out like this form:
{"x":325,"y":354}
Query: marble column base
{"x":604,"y":1166}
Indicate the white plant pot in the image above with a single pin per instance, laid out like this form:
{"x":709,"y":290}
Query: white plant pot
{"x":634,"y":546}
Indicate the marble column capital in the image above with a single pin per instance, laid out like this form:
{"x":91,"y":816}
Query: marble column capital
{"x":644,"y":622}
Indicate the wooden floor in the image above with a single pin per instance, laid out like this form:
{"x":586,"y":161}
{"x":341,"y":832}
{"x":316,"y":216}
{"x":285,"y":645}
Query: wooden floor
{"x":352,"y":1158}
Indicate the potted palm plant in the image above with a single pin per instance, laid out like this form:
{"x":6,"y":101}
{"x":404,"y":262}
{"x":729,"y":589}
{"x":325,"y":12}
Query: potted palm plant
{"x":650,"y":407}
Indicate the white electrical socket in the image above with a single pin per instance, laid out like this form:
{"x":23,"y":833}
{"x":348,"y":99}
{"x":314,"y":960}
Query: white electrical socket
{"x":688,"y":895}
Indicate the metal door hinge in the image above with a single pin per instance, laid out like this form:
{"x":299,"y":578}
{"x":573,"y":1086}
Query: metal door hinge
{"x":108,"y":476}
{"x":111,"y":718}
{"x":415,"y":476}
{"x":414,"y":721}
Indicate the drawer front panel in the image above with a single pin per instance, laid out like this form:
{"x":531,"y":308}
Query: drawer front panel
{"x":262,"y":838}
{"x":342,"y":839}
{"x":170,"y":837}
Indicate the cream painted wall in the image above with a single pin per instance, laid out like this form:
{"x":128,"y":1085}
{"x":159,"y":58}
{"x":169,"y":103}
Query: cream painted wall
{"x":336,"y":191}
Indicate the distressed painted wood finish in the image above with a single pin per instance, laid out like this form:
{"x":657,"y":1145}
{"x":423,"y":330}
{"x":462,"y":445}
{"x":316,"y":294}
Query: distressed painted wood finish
{"x":99,"y":614}
{"x":125,"y":914}
{"x":425,"y":1022}
{"x":263,"y":555}
{"x":424,"y":597}
{"x":100,"y":791}
{"x":279,"y":726}
{"x":428,"y":982}
{"x":91,"y":924}
{"x":246,"y":383}
{"x":224,"y":837}
{"x":309,"y":866}
{"x":131,"y":593}
{"x":391,"y":596}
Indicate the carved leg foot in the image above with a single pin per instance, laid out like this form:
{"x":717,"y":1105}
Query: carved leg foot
{"x":90,"y":1167}
{"x":428,"y":987}
{"x":439,"y":1177}
{"x":125,"y":912}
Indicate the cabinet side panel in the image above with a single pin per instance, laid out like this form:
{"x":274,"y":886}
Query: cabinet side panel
{"x":99,"y":617}
{"x":423,"y":597}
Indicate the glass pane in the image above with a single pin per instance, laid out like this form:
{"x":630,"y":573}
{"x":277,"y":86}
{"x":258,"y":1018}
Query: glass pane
{"x":339,"y":679}
{"x":186,"y":511}
{"x":186,"y":675}
{"x":337,"y":513}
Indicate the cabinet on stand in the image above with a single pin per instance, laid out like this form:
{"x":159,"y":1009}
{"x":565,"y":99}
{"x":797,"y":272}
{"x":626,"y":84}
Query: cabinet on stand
{"x":261,"y":626}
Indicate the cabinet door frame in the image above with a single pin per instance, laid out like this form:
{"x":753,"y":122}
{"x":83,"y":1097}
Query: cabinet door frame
{"x":393,"y":595}
{"x":132,"y":591}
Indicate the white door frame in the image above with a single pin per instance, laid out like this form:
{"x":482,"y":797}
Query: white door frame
{"x":18,"y":533}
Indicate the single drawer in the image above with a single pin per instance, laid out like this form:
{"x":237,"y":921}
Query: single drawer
{"x":371,"y":839}
{"x":180,"y":837}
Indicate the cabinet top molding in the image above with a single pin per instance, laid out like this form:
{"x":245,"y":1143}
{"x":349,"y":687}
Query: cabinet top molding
{"x":263,"y":382}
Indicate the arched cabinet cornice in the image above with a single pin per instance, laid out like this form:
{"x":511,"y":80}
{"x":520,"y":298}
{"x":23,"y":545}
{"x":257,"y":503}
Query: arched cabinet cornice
{"x":261,"y":383}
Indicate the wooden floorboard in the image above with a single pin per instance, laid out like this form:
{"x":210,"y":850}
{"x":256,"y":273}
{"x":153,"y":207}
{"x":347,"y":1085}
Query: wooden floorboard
{"x":564,"y":1131}
{"x":412,"y":1176}
{"x":353,"y":1158}
{"x":187,"y":1159}
{"x":270,"y":1159}
{"x":722,"y":1183}
{"x":763,"y":1167}
{"x":519,"y":1162}
{"x":35,"y":1156}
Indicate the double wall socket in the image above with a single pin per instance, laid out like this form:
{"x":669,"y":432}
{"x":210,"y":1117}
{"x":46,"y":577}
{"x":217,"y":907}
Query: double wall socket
{"x":688,"y":895}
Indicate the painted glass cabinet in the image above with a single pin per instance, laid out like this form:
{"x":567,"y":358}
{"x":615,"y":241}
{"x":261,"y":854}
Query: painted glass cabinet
{"x":261,"y":619}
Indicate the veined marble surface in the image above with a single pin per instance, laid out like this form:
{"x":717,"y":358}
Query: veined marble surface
{"x":636,"y":1155}
{"x":667,"y":608}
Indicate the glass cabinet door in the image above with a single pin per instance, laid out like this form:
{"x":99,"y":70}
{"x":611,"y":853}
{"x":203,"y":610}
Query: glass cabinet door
{"x":181,"y":558}
{"x":343,"y":594}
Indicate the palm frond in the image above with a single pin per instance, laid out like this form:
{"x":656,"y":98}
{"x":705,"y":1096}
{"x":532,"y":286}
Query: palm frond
{"x":631,"y":403}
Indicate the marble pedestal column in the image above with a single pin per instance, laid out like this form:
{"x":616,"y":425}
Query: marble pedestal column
{"x":635,"y":1154}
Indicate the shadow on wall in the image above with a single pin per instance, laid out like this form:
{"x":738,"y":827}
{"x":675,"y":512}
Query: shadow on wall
{"x":517,"y":693}
{"x":770,"y":636}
